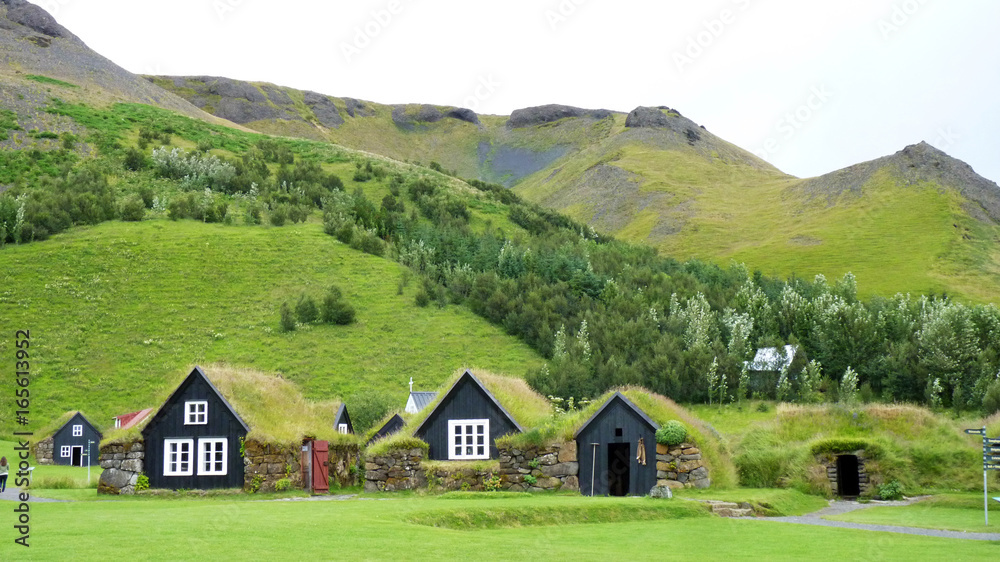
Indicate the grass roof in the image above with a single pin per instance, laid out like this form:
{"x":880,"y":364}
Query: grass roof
{"x":273,"y":407}
{"x":49,"y":429}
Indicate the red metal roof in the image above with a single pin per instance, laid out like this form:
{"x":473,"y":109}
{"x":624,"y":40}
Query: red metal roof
{"x":132,"y":418}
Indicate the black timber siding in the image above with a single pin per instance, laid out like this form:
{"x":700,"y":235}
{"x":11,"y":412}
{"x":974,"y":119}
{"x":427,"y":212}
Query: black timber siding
{"x":64,"y":436}
{"x":601,"y":430}
{"x":465,"y":402}
{"x":168,"y":423}
{"x":394,"y":424}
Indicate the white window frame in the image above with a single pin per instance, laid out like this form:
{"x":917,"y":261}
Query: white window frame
{"x":65,"y":452}
{"x":78,"y":430}
{"x":193,"y":415}
{"x":168,"y":457}
{"x":342,"y":428}
{"x":211,"y":446}
{"x":474,"y":445}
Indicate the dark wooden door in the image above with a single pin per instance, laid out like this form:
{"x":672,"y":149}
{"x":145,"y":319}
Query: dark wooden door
{"x":619,"y":468}
{"x":77,"y":458}
{"x":320,"y":472}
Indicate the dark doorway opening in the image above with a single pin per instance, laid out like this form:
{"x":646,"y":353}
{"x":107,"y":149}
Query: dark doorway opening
{"x":77,"y":458}
{"x":618,"y":468}
{"x":848,"y":478}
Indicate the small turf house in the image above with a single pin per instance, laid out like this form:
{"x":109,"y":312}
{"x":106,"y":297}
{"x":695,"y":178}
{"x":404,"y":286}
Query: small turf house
{"x":74,"y":441}
{"x":193,"y":440}
{"x":392,"y":425}
{"x":342,"y":421}
{"x":466,"y":422}
{"x":616,"y":448}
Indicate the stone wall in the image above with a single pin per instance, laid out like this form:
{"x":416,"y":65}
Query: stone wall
{"x":265,"y":464}
{"x":681,"y":466}
{"x":828,"y":461}
{"x":554,"y":467}
{"x":342,"y":459}
{"x":44,"y":451}
{"x":399,"y":469}
{"x":122,"y":464}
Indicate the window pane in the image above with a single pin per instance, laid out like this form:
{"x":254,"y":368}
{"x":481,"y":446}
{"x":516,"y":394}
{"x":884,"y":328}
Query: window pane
{"x":479,"y":450}
{"x":468,"y":429}
{"x":480,"y":440}
{"x":458,"y":451}
{"x":479,"y":429}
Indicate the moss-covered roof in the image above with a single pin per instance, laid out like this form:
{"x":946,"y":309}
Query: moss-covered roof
{"x":272,"y":407}
{"x":49,"y":429}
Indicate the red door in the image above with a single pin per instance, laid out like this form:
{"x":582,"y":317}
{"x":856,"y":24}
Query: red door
{"x":320,"y":474}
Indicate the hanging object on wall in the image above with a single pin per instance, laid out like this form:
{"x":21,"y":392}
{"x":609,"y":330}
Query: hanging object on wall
{"x":641,"y":454}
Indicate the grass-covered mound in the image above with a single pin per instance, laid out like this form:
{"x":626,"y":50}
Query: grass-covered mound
{"x":529,"y":408}
{"x":513,"y":515}
{"x":909,"y":444}
{"x":272,"y":406}
{"x":557,"y":428}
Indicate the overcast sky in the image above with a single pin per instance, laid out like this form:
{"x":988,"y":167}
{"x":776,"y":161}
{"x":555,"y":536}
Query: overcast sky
{"x":810,"y":86}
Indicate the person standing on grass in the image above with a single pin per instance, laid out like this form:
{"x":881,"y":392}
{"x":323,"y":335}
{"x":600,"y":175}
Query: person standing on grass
{"x":3,"y":474}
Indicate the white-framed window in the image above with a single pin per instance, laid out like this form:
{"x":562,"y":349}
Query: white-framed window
{"x":177,"y":455}
{"x":78,"y":430}
{"x":342,"y":428}
{"x":212,"y":457}
{"x":196,"y":412}
{"x":64,"y":451}
{"x":468,"y":439}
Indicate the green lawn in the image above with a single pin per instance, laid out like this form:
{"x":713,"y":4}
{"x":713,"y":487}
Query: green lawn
{"x":116,"y":310}
{"x":362,"y":529}
{"x":953,"y":512}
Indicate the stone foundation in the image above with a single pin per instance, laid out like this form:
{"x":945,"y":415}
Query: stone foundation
{"x":43,"y":451}
{"x":681,"y":466}
{"x":399,"y":469}
{"x":122,"y":464}
{"x":342,"y":459}
{"x":554,"y":467}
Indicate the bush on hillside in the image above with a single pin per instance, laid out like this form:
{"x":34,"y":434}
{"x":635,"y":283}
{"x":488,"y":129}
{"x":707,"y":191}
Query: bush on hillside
{"x":671,"y":433}
{"x":991,"y":402}
{"x":306,"y":309}
{"x":287,"y":320}
{"x":132,"y":208}
{"x":370,"y":406}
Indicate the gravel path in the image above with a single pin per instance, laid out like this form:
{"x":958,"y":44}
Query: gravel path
{"x":11,"y":494}
{"x":841,"y":507}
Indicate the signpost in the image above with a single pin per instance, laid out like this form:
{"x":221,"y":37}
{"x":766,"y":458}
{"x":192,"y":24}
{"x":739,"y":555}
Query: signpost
{"x":991,"y":461}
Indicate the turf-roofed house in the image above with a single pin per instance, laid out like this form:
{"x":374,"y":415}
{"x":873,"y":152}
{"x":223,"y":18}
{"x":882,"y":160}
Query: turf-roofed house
{"x":453,"y":440}
{"x":70,"y":440}
{"x":226,"y":427}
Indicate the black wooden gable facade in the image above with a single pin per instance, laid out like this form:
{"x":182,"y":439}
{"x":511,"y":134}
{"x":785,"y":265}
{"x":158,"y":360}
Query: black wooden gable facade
{"x":72,"y":442}
{"x":342,"y":421}
{"x":193,"y":441}
{"x":394,"y":424}
{"x":466,"y":423}
{"x":610,"y":442}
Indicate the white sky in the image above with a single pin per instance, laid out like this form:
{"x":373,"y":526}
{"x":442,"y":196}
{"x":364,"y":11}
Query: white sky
{"x":864,"y":77}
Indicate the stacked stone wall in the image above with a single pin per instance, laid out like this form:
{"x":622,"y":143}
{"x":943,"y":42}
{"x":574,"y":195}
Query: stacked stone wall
{"x":553,"y":467}
{"x":122,"y":464}
{"x":44,"y":451}
{"x":265,"y":464}
{"x":399,"y":469}
{"x":828,"y":461}
{"x":681,"y":466}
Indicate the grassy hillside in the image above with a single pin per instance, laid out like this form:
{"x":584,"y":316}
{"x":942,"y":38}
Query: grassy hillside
{"x":117,"y":310}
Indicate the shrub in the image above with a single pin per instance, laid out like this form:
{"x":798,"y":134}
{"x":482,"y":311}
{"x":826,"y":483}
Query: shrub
{"x":287,"y":318}
{"x":132,"y":209}
{"x":341,"y":313}
{"x":306,"y":310}
{"x":279,"y":215}
{"x":492,"y":483}
{"x":422,"y":299}
{"x":529,"y":479}
{"x":282,"y":484}
{"x":135,"y":160}
{"x":891,"y":490}
{"x":671,"y":433}
{"x":368,"y":242}
{"x":991,"y":402}
{"x":253,"y":214}
{"x":368,"y":407}
{"x":142,"y":482}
